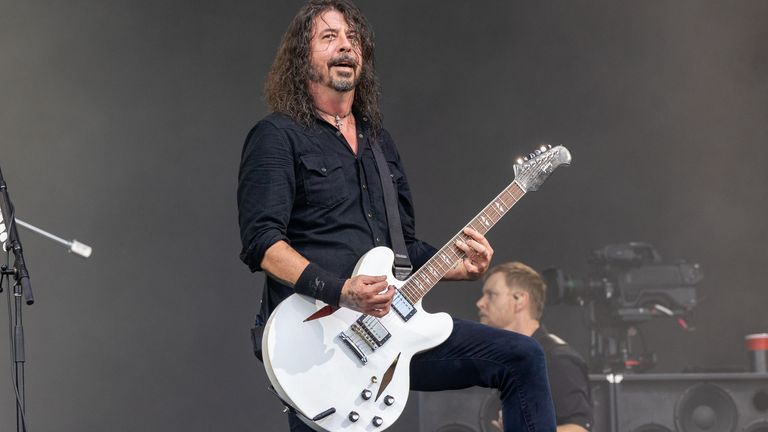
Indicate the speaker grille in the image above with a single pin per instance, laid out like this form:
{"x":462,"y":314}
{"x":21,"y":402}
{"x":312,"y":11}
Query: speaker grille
{"x":652,"y":427}
{"x":705,"y":408}
{"x":758,"y":426}
{"x":455,"y":427}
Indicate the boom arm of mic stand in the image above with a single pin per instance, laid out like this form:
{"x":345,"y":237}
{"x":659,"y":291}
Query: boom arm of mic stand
{"x":74,"y":246}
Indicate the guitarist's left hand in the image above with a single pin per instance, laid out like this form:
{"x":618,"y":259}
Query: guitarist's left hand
{"x":478,"y":254}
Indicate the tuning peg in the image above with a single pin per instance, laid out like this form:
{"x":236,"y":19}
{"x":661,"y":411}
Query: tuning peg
{"x":532,"y":155}
{"x":545,"y":147}
{"x":519,"y":160}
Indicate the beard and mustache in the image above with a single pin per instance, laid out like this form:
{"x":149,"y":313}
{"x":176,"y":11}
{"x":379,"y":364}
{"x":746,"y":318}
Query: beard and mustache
{"x":338,"y":83}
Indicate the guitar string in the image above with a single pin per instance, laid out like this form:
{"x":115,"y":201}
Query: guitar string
{"x":407,"y":288}
{"x":414,"y":294}
{"x":450,"y":247}
{"x":420,"y":283}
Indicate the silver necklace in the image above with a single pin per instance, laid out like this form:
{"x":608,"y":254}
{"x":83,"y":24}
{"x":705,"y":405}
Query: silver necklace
{"x":337,"y":118}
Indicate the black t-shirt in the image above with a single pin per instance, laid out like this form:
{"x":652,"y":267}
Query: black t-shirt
{"x":568,"y":380}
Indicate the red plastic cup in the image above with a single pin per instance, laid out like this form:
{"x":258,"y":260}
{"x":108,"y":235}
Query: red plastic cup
{"x":757,"y":348}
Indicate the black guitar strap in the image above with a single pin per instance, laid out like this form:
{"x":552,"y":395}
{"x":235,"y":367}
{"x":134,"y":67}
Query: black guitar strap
{"x":403,"y":265}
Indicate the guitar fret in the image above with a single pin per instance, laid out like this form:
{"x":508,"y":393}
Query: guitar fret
{"x":406,"y":289}
{"x":410,"y":296}
{"x":433,"y":271}
{"x":499,"y":208}
{"x":425,"y":283}
{"x":491,"y":213}
{"x":485,"y":220}
{"x":507,"y":191}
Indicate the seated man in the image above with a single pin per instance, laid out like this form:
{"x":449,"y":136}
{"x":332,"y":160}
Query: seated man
{"x":513,"y":299}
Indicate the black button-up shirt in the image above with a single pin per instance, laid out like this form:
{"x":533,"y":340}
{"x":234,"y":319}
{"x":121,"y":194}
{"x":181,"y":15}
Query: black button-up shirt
{"x":306,"y":186}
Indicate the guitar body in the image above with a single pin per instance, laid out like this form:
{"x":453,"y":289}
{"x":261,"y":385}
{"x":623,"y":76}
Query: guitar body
{"x":314,"y":370}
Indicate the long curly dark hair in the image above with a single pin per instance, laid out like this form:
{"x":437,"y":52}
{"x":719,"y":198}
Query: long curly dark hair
{"x":286,"y":88}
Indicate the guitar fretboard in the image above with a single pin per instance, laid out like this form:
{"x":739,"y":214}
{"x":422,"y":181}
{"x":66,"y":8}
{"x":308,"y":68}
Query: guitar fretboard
{"x":450,"y":255}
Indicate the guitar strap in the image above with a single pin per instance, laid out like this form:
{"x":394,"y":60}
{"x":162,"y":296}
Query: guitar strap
{"x":403,"y":265}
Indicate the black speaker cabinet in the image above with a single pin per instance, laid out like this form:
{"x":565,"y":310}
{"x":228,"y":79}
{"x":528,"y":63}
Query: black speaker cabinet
{"x":627,"y":403}
{"x":469,"y":410}
{"x":681,"y":402}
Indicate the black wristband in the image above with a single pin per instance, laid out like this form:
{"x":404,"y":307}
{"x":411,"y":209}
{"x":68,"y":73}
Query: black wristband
{"x":321,"y":284}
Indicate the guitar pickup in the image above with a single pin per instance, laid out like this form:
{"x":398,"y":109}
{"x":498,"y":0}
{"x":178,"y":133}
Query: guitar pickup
{"x":402,"y":306}
{"x":374,"y":328}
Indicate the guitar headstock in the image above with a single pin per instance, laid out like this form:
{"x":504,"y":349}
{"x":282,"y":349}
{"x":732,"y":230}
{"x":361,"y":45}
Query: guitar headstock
{"x":532,"y":171}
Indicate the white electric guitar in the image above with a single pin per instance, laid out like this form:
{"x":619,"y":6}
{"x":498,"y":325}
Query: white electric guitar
{"x":346,"y":371}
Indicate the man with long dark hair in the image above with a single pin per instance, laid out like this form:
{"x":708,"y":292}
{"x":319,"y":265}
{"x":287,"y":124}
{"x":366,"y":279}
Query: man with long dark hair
{"x":310,"y":203}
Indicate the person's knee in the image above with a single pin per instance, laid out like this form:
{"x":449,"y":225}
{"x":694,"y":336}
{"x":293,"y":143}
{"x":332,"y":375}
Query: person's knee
{"x":523,"y":362}
{"x":525,"y":353}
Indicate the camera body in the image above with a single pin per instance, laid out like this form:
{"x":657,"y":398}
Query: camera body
{"x":630,"y":280}
{"x":628,"y":284}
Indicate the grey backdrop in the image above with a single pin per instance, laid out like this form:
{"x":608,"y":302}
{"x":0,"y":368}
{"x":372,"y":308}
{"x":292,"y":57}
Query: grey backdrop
{"x":121,"y":124}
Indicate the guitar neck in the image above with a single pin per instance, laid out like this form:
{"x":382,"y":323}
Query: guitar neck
{"x":419,"y":284}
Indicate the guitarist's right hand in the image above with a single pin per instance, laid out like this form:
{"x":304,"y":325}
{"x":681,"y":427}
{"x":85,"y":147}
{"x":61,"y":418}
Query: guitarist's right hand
{"x":367,"y":294}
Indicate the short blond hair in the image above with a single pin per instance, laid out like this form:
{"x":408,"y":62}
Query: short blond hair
{"x":525,"y":278}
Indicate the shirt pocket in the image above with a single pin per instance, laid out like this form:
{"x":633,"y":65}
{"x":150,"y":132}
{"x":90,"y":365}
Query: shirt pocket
{"x":324,"y":182}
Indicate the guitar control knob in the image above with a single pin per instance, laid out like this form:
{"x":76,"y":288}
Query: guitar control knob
{"x":389,"y":400}
{"x":353,"y":416}
{"x":378,"y":421}
{"x":366,"y":394}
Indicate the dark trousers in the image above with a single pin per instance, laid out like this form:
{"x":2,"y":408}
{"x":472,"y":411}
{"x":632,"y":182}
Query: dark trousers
{"x":478,"y":355}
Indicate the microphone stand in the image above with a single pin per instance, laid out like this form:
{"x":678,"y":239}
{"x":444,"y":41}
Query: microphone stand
{"x":22,"y":287}
{"x":10,"y":241}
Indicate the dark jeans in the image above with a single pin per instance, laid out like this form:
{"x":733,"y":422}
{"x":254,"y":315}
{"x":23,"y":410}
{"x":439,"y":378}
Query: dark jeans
{"x":478,"y":355}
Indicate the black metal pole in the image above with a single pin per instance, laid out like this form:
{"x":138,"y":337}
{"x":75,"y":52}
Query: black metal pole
{"x":22,"y":287}
{"x":20,"y":358}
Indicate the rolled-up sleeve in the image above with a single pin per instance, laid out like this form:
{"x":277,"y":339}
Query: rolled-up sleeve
{"x":265,"y":192}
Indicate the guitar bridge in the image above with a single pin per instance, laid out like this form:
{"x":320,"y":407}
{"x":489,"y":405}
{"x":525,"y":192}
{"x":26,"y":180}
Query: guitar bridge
{"x":365,"y":336}
{"x":353,"y":347}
